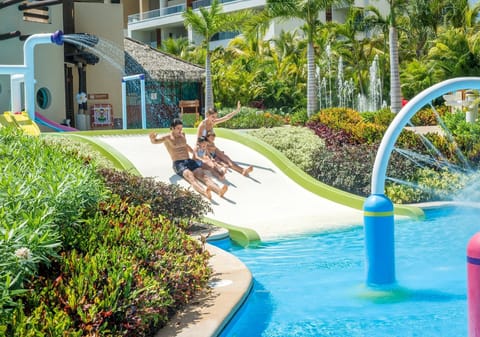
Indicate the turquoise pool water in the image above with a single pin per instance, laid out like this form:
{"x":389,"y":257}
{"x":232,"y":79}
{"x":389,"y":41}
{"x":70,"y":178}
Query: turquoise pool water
{"x":314,"y":285}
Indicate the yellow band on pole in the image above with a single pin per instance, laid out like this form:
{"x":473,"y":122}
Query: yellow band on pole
{"x":389,"y":213}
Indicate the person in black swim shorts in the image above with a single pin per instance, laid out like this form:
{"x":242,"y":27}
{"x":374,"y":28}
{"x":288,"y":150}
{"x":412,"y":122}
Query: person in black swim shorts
{"x":176,"y":145}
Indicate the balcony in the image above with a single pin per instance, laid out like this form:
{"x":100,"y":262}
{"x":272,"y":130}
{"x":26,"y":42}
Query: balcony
{"x":206,"y":3}
{"x":156,"y":13}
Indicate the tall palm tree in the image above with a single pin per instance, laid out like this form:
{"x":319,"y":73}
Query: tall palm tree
{"x":207,"y":22}
{"x":396,"y":6}
{"x":308,"y":11}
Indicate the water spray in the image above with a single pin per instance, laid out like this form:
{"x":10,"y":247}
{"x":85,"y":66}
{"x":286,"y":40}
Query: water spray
{"x":27,"y":69}
{"x":378,"y":209}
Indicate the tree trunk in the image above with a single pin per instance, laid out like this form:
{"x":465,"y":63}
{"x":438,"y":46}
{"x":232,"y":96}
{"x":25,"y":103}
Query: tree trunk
{"x":208,"y":84}
{"x":311,"y":81}
{"x":395,"y":91}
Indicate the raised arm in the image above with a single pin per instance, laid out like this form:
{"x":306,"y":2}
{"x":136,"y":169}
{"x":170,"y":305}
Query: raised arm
{"x":155,"y":139}
{"x":230,"y":115}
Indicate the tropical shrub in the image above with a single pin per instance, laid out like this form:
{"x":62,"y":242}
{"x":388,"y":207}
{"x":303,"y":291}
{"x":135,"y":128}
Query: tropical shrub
{"x":74,"y":148}
{"x":170,"y":200}
{"x":128,"y":275}
{"x":298,"y":144}
{"x":250,"y":118}
{"x":430,"y":185}
{"x":346,"y":167}
{"x":331,"y":136}
{"x":44,"y":192}
{"x":352,"y":123}
{"x":465,"y":135}
{"x":297,"y":118}
{"x":349,"y":168}
{"x":79,"y":261}
{"x":428,"y":116}
{"x":381,"y":117}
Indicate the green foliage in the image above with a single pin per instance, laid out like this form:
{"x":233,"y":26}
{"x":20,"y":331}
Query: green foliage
{"x":252,"y":119}
{"x":298,"y":144}
{"x":90,"y":266}
{"x":73,"y":148}
{"x":348,"y":167}
{"x":135,"y":271}
{"x":43,"y":192}
{"x":298,"y":117}
{"x":403,"y":194}
{"x":428,"y":116}
{"x":430,"y":185}
{"x":418,"y":75}
{"x":352,"y":123}
{"x":170,"y":200}
{"x":466,"y":135}
{"x":381,"y":117}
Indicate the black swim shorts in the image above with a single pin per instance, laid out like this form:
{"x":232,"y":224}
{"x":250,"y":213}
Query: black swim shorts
{"x":181,"y":165}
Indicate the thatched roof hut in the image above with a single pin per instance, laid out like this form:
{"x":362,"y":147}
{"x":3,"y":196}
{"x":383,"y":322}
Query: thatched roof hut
{"x":157,"y":65}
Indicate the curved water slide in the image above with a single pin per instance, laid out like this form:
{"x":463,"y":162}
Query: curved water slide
{"x":41,"y":119}
{"x":23,"y":121}
{"x":276,"y":200}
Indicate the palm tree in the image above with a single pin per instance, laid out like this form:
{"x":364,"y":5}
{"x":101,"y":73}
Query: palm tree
{"x":308,"y":11}
{"x":178,"y":47}
{"x":396,"y":6}
{"x":207,"y":23}
{"x":255,"y":28}
{"x":357,"y":50}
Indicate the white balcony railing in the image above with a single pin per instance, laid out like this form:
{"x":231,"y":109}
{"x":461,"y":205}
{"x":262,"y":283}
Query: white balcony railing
{"x":156,"y":13}
{"x":206,"y":3}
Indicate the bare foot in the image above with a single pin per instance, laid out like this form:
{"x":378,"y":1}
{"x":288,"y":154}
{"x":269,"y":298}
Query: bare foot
{"x":223,"y":190}
{"x":247,"y":170}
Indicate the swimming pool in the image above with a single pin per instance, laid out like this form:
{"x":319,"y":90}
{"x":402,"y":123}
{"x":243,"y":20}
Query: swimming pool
{"x":314,"y":285}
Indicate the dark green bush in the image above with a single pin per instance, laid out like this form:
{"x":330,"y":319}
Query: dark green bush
{"x":131,"y":272}
{"x":349,"y":168}
{"x":43,"y":192}
{"x":429,"y":185}
{"x":170,"y":200}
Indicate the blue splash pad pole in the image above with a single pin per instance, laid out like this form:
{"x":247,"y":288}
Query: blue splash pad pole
{"x":379,"y":240}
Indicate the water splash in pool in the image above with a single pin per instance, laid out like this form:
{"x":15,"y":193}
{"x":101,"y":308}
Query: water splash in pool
{"x":314,"y":285}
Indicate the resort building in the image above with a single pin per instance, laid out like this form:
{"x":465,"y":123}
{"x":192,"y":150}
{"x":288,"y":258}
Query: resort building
{"x":62,"y":72}
{"x":154,"y":21}
{"x":73,"y":82}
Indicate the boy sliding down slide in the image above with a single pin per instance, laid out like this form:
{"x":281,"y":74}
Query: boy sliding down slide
{"x":202,"y":157}
{"x":183,"y":165}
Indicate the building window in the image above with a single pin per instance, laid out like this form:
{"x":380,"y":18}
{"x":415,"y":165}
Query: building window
{"x":43,"y":98}
{"x":224,"y":36}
